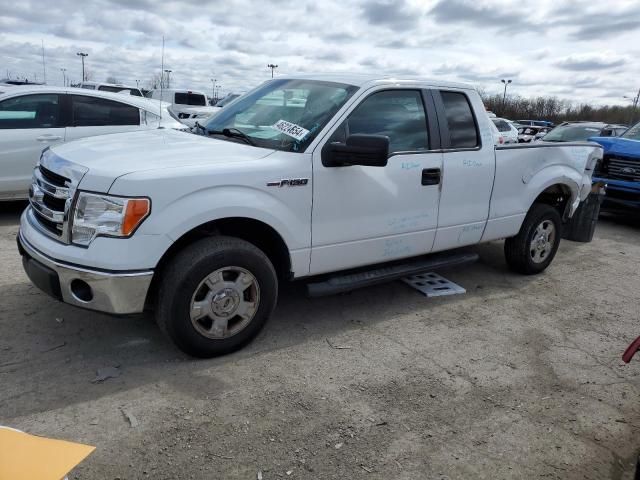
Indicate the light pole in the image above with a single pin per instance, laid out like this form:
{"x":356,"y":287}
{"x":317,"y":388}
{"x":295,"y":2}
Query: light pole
{"x":504,"y":95}
{"x":213,"y":88}
{"x":168,"y":72}
{"x":272,"y":67}
{"x":634,"y":104}
{"x":82,"y":55}
{"x":64,"y":76}
{"x":217,"y":92}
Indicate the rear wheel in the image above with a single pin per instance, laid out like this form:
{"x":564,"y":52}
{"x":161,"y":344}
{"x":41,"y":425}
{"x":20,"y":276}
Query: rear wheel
{"x":533,"y":248}
{"x":216,"y":295}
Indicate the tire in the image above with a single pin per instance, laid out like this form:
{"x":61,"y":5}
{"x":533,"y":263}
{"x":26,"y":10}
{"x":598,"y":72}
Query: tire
{"x":526,"y":255}
{"x":199,"y":291}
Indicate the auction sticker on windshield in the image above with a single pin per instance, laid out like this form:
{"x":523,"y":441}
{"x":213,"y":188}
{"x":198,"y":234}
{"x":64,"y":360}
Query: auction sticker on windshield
{"x":291,"y":129}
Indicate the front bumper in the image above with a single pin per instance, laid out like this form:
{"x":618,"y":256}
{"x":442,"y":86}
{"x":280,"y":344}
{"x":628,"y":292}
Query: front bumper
{"x":104,"y":291}
{"x":620,"y":192}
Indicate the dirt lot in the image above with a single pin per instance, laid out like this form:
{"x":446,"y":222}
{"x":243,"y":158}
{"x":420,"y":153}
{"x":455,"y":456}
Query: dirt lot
{"x":519,"y":378}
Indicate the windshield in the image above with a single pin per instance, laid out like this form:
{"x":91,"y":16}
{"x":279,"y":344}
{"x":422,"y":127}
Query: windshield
{"x":189,"y":98}
{"x":501,"y":125}
{"x":633,"y":133}
{"x":572,"y":133}
{"x":283,"y":114}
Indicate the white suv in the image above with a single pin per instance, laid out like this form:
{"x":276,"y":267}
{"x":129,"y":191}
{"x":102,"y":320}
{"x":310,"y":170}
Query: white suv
{"x":188,"y":106}
{"x":35,"y":117}
{"x":506,"y":129}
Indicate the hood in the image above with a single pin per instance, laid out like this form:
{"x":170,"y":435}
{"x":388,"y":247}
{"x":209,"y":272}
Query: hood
{"x":108,"y":157}
{"x":618,"y":146}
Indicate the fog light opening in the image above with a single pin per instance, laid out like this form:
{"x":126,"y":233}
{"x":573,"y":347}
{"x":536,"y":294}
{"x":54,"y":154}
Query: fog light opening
{"x":81,"y":290}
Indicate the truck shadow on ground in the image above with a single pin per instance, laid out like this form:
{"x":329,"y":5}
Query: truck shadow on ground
{"x":10,"y":212}
{"x":628,"y":218}
{"x":49,"y":349}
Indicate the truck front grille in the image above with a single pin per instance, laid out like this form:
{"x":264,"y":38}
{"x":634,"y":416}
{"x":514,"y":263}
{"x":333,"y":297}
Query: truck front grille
{"x":50,"y":197}
{"x":620,"y":168}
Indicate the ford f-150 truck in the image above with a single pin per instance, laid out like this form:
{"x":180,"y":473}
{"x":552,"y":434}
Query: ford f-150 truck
{"x":338,"y":179}
{"x":620,"y":168}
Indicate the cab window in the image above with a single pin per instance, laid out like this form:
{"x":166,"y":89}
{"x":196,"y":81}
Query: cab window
{"x":462,"y":125}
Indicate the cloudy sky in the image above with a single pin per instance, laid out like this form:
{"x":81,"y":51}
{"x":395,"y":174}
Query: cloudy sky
{"x":574,"y":49}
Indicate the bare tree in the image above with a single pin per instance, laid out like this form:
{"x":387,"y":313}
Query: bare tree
{"x":554,"y":109}
{"x":112,"y":79}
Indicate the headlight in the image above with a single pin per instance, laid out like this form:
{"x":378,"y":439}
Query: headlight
{"x":103,"y":215}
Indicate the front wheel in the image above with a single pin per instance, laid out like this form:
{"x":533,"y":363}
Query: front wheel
{"x":216,"y":295}
{"x":533,"y":248}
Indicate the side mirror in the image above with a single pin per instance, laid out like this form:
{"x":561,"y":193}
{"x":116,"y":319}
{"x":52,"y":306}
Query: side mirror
{"x":359,"y":149}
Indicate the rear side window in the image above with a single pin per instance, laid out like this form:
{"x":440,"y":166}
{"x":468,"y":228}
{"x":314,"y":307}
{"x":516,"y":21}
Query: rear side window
{"x":94,"y":112}
{"x":502,"y":125}
{"x":397,"y":114}
{"x":462,"y":125}
{"x":30,"y":111}
{"x":190,"y":99}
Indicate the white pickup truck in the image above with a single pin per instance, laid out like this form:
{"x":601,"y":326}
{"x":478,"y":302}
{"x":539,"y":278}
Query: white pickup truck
{"x":342,"y":180}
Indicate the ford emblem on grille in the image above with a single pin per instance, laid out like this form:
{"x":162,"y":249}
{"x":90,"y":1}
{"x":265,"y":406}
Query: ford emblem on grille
{"x":628,"y":171}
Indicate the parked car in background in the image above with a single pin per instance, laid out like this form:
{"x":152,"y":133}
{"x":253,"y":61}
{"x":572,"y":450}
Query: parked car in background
{"x":581,"y":131}
{"x":506,"y":129}
{"x":188,"y":106}
{"x":36,"y":117}
{"x":536,"y":123}
{"x":303,"y":176}
{"x":529,"y":133}
{"x":190,"y":115}
{"x":620,"y":168}
{"x":113,"y":88}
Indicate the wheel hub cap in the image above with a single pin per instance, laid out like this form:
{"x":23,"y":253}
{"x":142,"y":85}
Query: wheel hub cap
{"x":542,"y":241}
{"x":225,"y":302}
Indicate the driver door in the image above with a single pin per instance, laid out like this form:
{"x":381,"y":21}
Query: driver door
{"x":364,"y":215}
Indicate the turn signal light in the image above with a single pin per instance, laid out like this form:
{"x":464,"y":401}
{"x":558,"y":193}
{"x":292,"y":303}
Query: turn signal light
{"x":137,"y":210}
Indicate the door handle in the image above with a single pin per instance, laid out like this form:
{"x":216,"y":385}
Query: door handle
{"x":431,"y":176}
{"x":48,"y":138}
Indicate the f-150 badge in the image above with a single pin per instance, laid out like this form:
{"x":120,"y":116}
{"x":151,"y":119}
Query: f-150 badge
{"x":289,"y":182}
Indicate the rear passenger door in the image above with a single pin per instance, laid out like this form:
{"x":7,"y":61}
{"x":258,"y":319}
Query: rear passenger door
{"x":468,"y":169}
{"x":91,"y":116}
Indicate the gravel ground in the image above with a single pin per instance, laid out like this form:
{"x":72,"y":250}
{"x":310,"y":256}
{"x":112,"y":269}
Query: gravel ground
{"x":519,"y":378}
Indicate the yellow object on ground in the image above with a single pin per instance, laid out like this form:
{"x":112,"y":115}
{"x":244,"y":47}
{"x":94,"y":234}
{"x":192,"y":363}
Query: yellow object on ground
{"x":27,"y":457}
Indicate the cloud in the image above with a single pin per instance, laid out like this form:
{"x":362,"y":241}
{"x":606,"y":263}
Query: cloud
{"x":588,"y":62}
{"x":504,"y":18}
{"x":392,"y":14}
{"x":542,"y":47}
{"x":588,"y":21}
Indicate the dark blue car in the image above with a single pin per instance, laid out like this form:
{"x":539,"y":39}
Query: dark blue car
{"x":620,"y":168}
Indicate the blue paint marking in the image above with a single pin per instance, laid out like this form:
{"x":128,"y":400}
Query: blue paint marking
{"x":410,"y":165}
{"x":471,"y":163}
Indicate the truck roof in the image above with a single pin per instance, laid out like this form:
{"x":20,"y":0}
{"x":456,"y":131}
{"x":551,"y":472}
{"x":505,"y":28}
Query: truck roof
{"x":362,"y":79}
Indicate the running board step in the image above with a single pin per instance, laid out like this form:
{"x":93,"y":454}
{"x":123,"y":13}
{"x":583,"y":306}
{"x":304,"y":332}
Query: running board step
{"x":353,"y":281}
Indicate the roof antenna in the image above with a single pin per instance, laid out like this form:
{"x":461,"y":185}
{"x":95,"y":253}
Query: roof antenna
{"x":161,"y":81}
{"x":44,"y":68}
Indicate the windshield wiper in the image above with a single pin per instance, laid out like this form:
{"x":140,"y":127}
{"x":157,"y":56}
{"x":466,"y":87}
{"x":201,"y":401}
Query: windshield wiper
{"x":232,"y":133}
